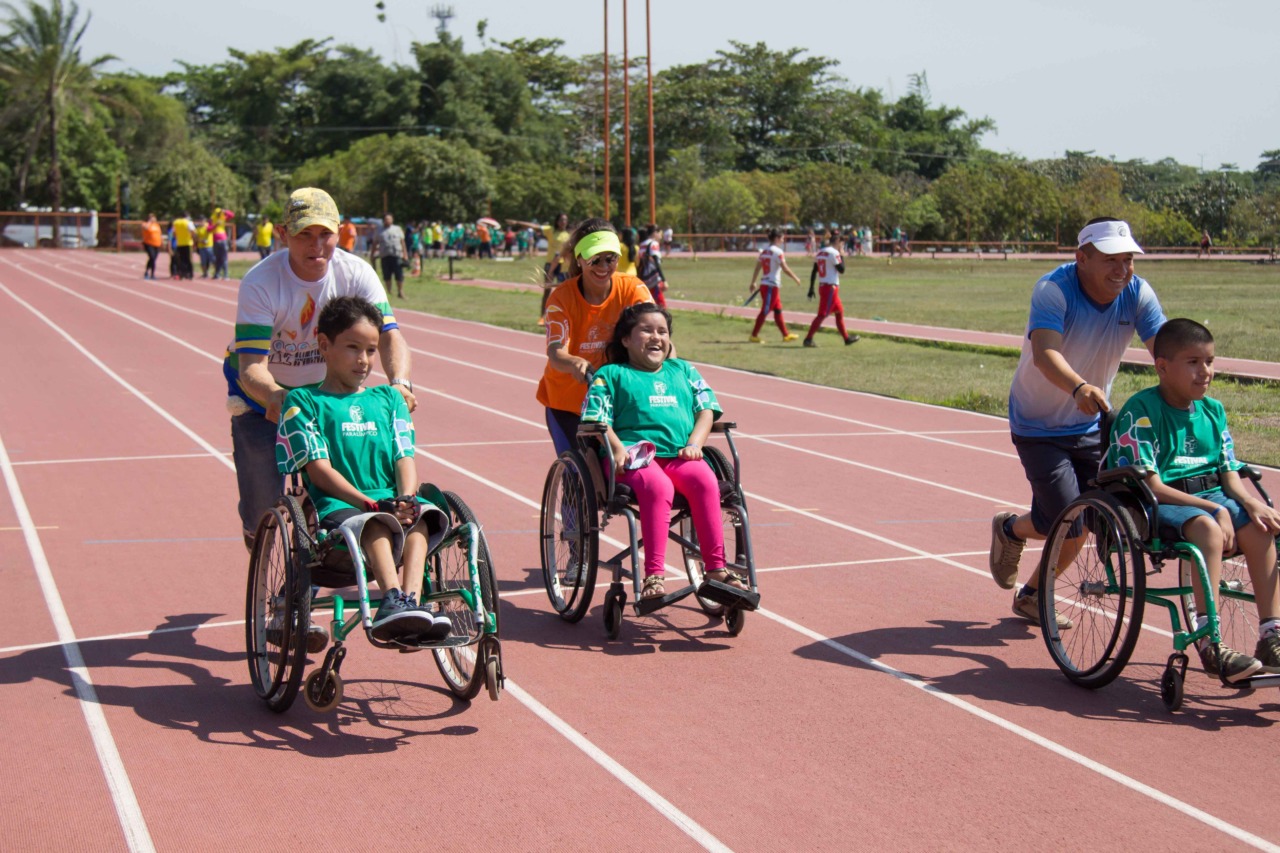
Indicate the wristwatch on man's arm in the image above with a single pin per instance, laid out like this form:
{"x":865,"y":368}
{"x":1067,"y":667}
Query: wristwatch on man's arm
{"x":405,"y":382}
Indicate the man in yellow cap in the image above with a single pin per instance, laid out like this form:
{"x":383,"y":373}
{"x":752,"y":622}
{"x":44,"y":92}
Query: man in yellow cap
{"x":275,"y":347}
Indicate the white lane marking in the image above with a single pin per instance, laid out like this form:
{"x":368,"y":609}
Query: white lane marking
{"x":520,"y":593}
{"x":1039,"y":740}
{"x":132,"y":823}
{"x":923,"y":436}
{"x":896,"y":474}
{"x":662,"y":805}
{"x":93,"y":459}
{"x":177,"y":424}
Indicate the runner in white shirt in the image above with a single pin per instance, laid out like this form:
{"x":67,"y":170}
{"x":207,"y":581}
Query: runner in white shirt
{"x":771,"y":262}
{"x":828,"y":263}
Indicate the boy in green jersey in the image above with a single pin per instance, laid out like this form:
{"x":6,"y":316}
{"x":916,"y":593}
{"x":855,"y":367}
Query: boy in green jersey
{"x":1182,"y":436}
{"x":354,"y":448}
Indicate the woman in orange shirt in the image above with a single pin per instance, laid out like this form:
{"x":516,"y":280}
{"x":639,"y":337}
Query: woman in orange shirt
{"x":580,"y":316}
{"x":151,"y":243}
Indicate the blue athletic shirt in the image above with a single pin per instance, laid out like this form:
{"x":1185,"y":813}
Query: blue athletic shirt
{"x":1094,"y":337}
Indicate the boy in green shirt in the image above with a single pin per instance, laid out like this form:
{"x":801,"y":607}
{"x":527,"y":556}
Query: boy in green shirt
{"x":1182,"y":435}
{"x":354,"y":448}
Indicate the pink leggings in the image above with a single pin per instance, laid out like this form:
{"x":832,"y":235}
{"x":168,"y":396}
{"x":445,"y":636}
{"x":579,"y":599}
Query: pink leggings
{"x":655,"y":487}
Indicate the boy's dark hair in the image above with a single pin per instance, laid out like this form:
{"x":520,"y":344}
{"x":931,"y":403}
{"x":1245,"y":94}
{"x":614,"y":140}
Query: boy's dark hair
{"x":774,"y":234}
{"x":1178,"y":334}
{"x":616,"y":353}
{"x":342,"y":313}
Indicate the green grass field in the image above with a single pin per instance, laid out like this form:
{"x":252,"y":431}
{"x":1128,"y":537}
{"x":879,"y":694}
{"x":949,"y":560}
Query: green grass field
{"x":1239,"y":301}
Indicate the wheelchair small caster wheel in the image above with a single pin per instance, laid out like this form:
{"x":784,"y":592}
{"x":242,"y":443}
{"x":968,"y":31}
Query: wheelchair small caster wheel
{"x":613,"y":605}
{"x":322,"y":695}
{"x":492,"y":678}
{"x":1171,"y":688}
{"x":734,"y":619}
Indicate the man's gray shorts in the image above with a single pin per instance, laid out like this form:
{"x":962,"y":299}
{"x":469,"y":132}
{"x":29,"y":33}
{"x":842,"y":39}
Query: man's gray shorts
{"x":1059,"y":468}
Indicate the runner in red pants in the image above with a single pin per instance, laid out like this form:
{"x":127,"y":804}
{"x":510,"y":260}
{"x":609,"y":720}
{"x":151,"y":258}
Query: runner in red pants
{"x":828,"y":263}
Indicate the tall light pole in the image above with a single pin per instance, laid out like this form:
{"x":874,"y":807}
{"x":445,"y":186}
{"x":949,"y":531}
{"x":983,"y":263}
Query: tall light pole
{"x":626,"y":119}
{"x":648,"y":59}
{"x":606,"y":109}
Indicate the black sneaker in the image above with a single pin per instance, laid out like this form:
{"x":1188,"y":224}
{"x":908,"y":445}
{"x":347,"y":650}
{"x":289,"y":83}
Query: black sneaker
{"x":852,"y":339}
{"x":1268,"y":650}
{"x":809,"y":342}
{"x":1234,"y":665}
{"x":441,"y":625}
{"x":398,"y":618}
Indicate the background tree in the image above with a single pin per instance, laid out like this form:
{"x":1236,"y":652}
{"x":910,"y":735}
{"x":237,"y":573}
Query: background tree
{"x":722,"y":205}
{"x":419,"y":177}
{"x":46,"y":79}
{"x":187,"y":177}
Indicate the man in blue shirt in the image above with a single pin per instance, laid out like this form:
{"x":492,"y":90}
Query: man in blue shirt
{"x":1083,"y":316}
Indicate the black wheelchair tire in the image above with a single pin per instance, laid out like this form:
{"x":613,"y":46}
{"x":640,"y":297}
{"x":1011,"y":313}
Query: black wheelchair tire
{"x":569,"y":484}
{"x":460,"y":666}
{"x":278,"y":585}
{"x":1103,"y":597}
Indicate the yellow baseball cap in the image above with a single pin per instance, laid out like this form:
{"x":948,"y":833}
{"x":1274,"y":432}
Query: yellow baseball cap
{"x":310,"y":206}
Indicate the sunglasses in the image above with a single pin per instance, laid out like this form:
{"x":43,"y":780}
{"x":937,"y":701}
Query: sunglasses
{"x":604,"y":259}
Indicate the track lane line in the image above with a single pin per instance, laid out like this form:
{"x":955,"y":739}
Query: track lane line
{"x":128,"y":812}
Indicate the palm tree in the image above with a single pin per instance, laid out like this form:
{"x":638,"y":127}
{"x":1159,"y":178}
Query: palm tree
{"x":40,"y":62}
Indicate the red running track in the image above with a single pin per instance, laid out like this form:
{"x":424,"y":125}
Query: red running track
{"x":883,"y":698}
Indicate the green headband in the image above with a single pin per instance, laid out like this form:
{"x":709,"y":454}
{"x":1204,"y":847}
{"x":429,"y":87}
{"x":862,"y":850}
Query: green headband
{"x":597,"y":242}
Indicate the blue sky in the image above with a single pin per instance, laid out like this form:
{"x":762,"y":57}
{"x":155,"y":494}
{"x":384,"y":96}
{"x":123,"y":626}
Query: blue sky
{"x":1196,"y":81}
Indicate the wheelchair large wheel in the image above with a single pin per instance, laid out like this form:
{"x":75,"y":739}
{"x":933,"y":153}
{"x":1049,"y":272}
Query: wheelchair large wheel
{"x":736,"y":552}
{"x":734,"y":531}
{"x":1237,"y":617}
{"x":1099,"y":588}
{"x":459,"y":662}
{"x":278,"y":605}
{"x":570,"y":540}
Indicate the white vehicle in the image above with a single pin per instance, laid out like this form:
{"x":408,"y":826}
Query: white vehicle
{"x":78,"y":229}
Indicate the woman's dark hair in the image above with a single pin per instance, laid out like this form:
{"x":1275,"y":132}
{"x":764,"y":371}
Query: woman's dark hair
{"x":585,"y":227}
{"x":615,"y":352}
{"x":342,"y":313}
{"x":628,"y":237}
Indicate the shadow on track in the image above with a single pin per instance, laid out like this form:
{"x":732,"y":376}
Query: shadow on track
{"x":375,"y":716}
{"x":1133,"y":697}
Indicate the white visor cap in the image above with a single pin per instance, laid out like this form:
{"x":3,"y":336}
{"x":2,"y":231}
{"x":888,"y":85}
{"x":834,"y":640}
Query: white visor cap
{"x":1110,"y":238}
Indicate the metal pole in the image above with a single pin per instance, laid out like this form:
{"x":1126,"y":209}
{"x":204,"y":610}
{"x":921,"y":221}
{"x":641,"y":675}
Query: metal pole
{"x":606,"y":109}
{"x":648,"y":60}
{"x":626,"y":119}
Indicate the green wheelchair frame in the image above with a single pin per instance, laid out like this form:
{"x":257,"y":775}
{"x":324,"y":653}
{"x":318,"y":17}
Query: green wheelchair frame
{"x":1103,"y":588}
{"x":289,"y":551}
{"x":581,"y":483}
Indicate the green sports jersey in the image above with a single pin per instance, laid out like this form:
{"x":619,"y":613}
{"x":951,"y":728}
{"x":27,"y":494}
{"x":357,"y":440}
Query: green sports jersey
{"x":656,"y":406}
{"x":362,"y":435}
{"x":1176,"y":443}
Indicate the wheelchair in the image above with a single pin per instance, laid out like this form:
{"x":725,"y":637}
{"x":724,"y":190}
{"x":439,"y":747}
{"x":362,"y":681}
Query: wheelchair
{"x":1103,"y":587}
{"x":579,"y":499}
{"x":292,"y":559}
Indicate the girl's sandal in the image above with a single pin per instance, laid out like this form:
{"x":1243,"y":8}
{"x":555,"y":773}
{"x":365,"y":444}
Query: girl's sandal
{"x":727,"y":578}
{"x":653,"y":587}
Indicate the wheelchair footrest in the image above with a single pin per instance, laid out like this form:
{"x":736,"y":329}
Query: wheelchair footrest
{"x":729,"y":596}
{"x":645,"y":606}
{"x":1262,"y":680}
